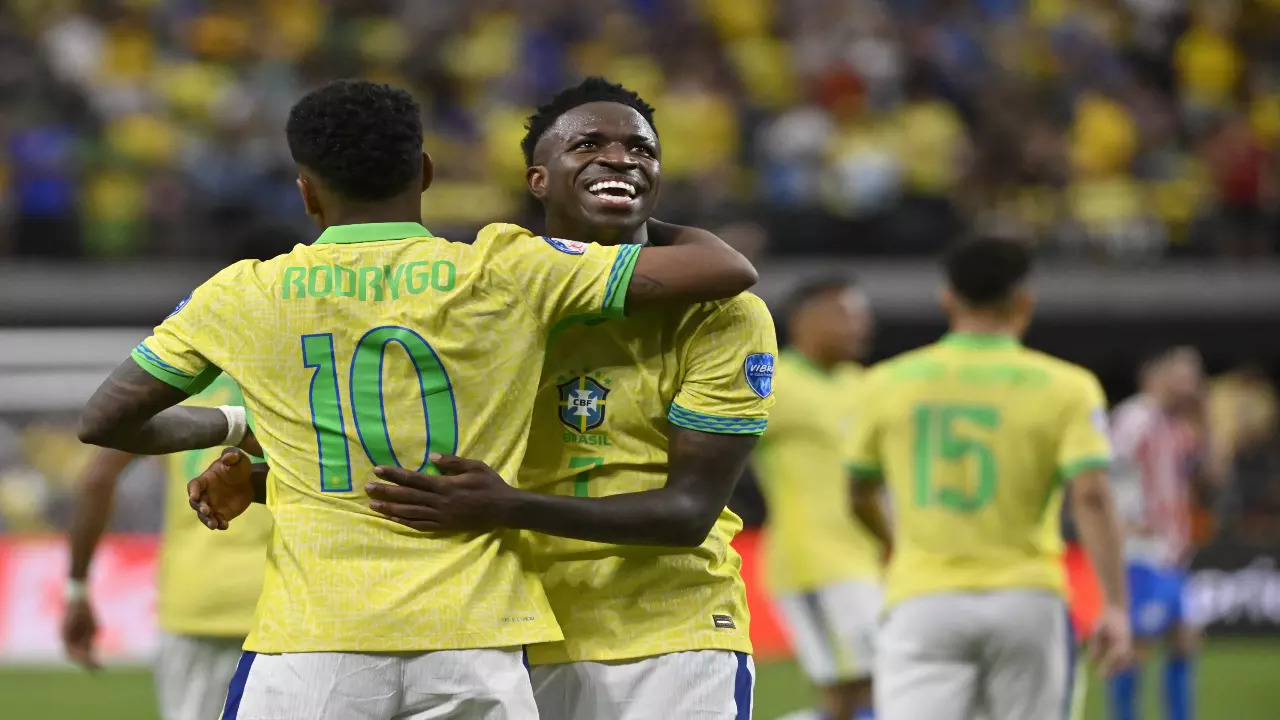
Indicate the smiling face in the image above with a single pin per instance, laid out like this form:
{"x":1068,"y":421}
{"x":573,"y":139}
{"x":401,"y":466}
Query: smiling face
{"x":597,"y":169}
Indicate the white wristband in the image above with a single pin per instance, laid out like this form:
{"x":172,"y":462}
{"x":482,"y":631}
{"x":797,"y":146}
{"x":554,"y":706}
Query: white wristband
{"x":237,"y":424}
{"x":75,"y":591}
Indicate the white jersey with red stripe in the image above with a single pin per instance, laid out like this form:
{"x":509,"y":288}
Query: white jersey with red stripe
{"x":1152,"y":481}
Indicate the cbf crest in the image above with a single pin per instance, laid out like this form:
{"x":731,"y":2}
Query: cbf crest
{"x":582,"y":403}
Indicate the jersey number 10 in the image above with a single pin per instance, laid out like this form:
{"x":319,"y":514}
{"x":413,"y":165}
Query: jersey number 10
{"x":368,"y":408}
{"x":938,"y":439}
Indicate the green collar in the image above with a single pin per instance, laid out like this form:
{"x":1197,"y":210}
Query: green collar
{"x":980,"y":341}
{"x":372,"y":232}
{"x":803,"y":361}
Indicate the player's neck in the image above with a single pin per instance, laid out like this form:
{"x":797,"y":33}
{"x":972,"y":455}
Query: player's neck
{"x":984,"y":325}
{"x":384,"y":212}
{"x":599,"y":235}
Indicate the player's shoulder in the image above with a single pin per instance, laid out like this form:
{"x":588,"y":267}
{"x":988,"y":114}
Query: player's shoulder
{"x":909,"y":364}
{"x":745,"y":306}
{"x":1059,"y":370}
{"x":743,"y":315}
{"x":498,"y":234}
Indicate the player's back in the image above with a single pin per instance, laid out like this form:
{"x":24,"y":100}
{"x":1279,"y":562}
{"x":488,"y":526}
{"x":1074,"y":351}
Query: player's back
{"x":973,"y":435}
{"x":187,"y":603}
{"x":375,"y":346}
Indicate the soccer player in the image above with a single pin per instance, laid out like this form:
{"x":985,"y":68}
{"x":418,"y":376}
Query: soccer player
{"x":976,"y":438}
{"x":203,"y":625}
{"x":1154,"y":453}
{"x":379,"y":345}
{"x":823,"y":566}
{"x":640,"y":432}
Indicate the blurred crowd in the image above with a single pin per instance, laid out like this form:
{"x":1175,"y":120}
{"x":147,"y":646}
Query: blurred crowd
{"x":1120,"y":130}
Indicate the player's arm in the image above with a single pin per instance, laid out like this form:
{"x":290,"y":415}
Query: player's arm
{"x":95,"y":497}
{"x":703,"y":469}
{"x":559,"y":279}
{"x":687,"y":265}
{"x":134,"y":411}
{"x":866,"y":479}
{"x":1084,"y":455}
{"x":868,"y":508}
{"x":1098,"y":524}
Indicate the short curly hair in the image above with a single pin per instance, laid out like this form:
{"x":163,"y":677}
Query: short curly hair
{"x":593,"y":89}
{"x":985,"y":271}
{"x":363,"y":139}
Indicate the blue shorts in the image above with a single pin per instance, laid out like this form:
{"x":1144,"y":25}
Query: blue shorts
{"x":1155,"y":597}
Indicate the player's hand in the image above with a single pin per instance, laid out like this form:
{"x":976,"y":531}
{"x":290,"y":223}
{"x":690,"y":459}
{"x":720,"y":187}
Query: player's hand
{"x":224,"y":491}
{"x":1112,"y":644}
{"x":79,"y":627}
{"x":469,"y":497}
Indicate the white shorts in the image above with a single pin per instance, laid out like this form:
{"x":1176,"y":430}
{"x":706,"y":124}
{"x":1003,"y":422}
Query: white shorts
{"x":192,"y":674}
{"x":694,"y":685}
{"x":956,"y":656}
{"x":490,"y":684}
{"x":833,"y":629}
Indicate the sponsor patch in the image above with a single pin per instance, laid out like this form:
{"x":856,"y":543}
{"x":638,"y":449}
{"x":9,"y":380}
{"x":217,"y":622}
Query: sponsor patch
{"x":1099,"y":419}
{"x":724,"y":622}
{"x":181,"y":305}
{"x":758,"y":370}
{"x":568,"y":247}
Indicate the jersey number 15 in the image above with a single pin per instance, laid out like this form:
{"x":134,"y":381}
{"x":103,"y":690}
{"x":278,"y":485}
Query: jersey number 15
{"x":938,"y":440}
{"x":368,"y":408}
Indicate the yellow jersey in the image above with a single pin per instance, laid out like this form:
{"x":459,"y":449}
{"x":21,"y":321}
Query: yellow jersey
{"x":373,"y":346}
{"x":975,"y":436}
{"x":609,"y":393}
{"x":812,"y":539}
{"x":190,"y":553}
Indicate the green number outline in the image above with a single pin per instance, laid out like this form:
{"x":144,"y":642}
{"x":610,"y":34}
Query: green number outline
{"x":433,"y":384}
{"x":331,"y":443}
{"x":364,"y":386}
{"x":939,"y":421}
{"x":580,"y":482}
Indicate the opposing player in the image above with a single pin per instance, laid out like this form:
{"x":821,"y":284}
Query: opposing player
{"x":823,"y":567}
{"x":640,"y":431}
{"x":203,"y":625}
{"x":976,"y":437}
{"x":1154,"y":453}
{"x":379,"y":345}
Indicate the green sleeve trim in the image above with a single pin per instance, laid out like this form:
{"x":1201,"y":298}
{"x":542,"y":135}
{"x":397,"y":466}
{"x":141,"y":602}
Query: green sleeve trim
{"x":864,"y":471}
{"x":169,"y":375}
{"x":717,"y":424}
{"x":615,"y":294}
{"x":1083,"y":465}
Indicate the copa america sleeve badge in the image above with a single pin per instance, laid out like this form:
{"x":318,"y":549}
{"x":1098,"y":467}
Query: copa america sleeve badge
{"x":568,"y":247}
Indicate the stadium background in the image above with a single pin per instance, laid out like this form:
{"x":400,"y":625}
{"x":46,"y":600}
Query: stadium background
{"x":1134,"y":141}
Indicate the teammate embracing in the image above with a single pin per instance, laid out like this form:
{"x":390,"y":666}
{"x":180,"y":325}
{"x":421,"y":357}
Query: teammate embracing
{"x":976,"y":438}
{"x":378,"y":345}
{"x":640,"y":431}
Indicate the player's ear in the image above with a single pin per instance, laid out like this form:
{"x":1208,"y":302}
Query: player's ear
{"x":428,"y":171}
{"x":310,"y":202}
{"x":947,"y":299}
{"x":536,"y":178}
{"x":1024,"y":307}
